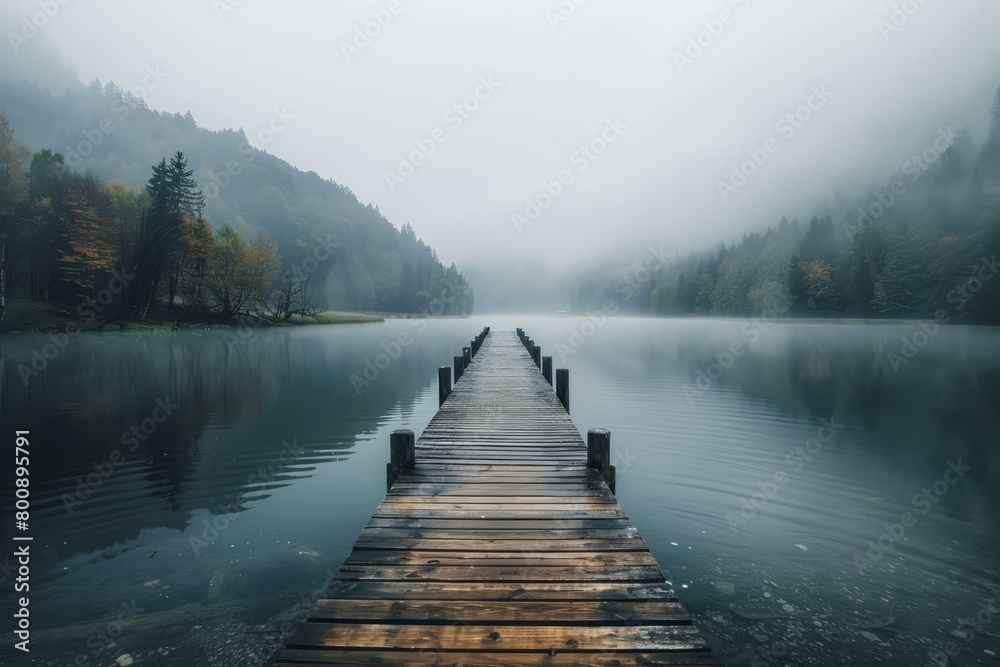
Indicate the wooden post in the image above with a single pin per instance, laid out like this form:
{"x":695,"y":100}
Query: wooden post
{"x":472,"y":348}
{"x":459,"y":367}
{"x":599,"y":454}
{"x":444,"y":384}
{"x":536,"y":354}
{"x":467,"y":356}
{"x":547,"y":369}
{"x":562,"y":386}
{"x":401,"y":456}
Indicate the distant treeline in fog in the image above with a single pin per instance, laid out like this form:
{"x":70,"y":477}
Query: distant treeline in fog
{"x":921,"y":244}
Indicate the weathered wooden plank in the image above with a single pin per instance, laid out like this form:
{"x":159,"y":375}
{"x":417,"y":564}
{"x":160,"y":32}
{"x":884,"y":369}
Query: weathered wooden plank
{"x":471,"y":543}
{"x":529,"y":558}
{"x":498,"y":479}
{"x":552,"y":658}
{"x":597,"y":501}
{"x":500,"y":516}
{"x":491,"y":472}
{"x":493,"y":590}
{"x":494,"y":612}
{"x":537,"y":573}
{"x":498,"y":504}
{"x":514,"y":487}
{"x":499,"y":637}
{"x":463,"y":459}
{"x":488,"y":532}
{"x":544,"y":523}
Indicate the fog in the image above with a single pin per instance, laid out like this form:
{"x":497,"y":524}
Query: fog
{"x":536,"y":83}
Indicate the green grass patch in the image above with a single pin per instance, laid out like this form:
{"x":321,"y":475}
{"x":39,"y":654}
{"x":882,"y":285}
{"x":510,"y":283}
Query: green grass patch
{"x":337,"y":317}
{"x":28,"y":315}
{"x":25,"y":314}
{"x":140,"y":328}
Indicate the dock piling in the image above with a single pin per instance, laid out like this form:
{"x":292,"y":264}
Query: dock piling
{"x":459,"y":367}
{"x":401,"y":456}
{"x":562,"y":386}
{"x":599,"y":454}
{"x":547,"y":369}
{"x":444,"y":384}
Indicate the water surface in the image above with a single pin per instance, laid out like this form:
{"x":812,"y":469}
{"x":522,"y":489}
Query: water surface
{"x":767,"y":482}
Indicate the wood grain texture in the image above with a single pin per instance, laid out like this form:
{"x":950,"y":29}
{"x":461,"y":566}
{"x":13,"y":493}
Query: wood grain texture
{"x":500,"y":547}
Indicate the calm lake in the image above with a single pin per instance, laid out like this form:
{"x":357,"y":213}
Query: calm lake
{"x":813,"y":499}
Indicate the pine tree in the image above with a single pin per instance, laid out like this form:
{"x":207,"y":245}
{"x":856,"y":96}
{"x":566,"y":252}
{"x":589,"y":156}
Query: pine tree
{"x":951,"y":165}
{"x":173,"y":196}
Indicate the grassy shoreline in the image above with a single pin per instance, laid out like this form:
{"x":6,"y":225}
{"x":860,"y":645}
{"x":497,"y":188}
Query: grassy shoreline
{"x":30,"y":315}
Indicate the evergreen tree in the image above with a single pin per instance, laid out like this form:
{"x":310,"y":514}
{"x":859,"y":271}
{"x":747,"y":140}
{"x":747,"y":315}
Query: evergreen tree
{"x":989,"y":156}
{"x":173,"y":194}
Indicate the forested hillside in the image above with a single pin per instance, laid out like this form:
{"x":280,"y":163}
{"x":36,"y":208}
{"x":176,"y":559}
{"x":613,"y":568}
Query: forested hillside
{"x":102,"y":143}
{"x":923,"y":242}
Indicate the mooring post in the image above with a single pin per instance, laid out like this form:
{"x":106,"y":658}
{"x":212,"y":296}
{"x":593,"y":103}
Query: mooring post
{"x":467,"y":356}
{"x":547,"y":369}
{"x":459,"y":367}
{"x":472,"y":348}
{"x":444,"y":384}
{"x":536,"y":355}
{"x":562,"y":386}
{"x":401,"y":456}
{"x":599,"y":454}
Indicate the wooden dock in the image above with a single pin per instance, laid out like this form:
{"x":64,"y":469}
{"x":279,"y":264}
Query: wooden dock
{"x":498,"y":545}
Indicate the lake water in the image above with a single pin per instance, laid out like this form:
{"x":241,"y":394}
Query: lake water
{"x":813,"y":499}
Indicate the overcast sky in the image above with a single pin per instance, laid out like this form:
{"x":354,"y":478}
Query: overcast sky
{"x":556,"y":82}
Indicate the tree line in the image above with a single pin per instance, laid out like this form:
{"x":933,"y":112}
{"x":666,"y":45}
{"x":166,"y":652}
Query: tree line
{"x":69,"y":236}
{"x":352,"y":257}
{"x":920,"y":244}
